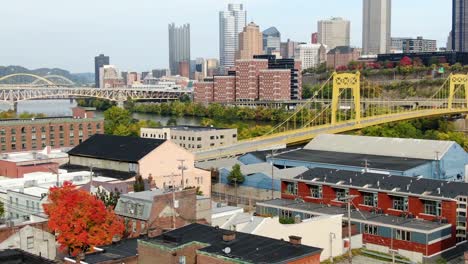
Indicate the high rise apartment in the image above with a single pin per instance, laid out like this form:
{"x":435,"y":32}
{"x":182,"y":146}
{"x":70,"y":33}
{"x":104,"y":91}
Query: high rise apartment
{"x":179,"y":46}
{"x":250,"y":42}
{"x":334,"y":32}
{"x":231,"y":22}
{"x":99,"y":62}
{"x":377,"y":25}
{"x":459,"y":26}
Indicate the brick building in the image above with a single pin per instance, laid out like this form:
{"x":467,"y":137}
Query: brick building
{"x":245,"y":81}
{"x":57,"y":132}
{"x":417,"y":217}
{"x":271,"y":83}
{"x":151,"y":211}
{"x":342,"y":56}
{"x":202,"y":244}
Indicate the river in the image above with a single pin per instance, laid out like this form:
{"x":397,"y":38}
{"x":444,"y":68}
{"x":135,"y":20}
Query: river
{"x":63,"y":108}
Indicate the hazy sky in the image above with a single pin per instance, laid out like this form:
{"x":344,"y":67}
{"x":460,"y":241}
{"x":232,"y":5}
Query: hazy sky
{"x":69,"y":33}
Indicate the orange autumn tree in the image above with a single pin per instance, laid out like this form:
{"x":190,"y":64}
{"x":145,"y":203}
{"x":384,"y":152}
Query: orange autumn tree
{"x":80,"y":220}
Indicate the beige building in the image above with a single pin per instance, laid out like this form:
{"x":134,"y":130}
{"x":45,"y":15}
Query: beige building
{"x":377,"y":26}
{"x":123,"y":158}
{"x":193,"y":138}
{"x":334,"y":32}
{"x":311,"y":55}
{"x":250,"y":42}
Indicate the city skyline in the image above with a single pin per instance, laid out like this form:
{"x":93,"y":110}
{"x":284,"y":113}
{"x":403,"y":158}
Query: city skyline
{"x":139,"y":42}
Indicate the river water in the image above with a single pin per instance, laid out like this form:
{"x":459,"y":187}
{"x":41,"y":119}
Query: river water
{"x":63,"y":108}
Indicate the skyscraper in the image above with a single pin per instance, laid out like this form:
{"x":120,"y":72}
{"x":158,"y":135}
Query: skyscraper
{"x":333,"y":32}
{"x":99,"y":62}
{"x":459,"y":35}
{"x":250,"y":42}
{"x":179,"y":46}
{"x":231,"y":22}
{"x":271,"y":40}
{"x":376,"y":29}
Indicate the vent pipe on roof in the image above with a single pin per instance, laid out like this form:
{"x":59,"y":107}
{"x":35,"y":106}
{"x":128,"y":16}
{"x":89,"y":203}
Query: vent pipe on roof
{"x":295,"y":240}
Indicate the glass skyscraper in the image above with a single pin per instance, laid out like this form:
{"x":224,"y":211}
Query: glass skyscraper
{"x":231,"y":22}
{"x":179,"y":47}
{"x":460,"y":26}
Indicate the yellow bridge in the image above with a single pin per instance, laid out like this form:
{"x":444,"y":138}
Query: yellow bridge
{"x":346,"y":103}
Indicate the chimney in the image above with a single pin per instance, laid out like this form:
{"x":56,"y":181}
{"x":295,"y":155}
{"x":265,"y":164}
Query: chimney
{"x":295,"y":240}
{"x":229,"y":236}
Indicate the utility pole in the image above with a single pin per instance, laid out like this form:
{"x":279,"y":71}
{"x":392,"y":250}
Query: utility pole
{"x":349,"y":199}
{"x":90,"y":178}
{"x":235,"y":189}
{"x":182,"y":168}
{"x":332,"y":236}
{"x":272,"y":176}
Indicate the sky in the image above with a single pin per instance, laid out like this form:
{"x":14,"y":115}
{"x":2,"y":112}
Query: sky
{"x":69,"y":33}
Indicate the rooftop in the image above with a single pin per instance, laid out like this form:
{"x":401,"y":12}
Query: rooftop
{"x":384,"y":163}
{"x":245,"y":247}
{"x":414,"y":224}
{"x":19,"y":256}
{"x":100,"y":172}
{"x":117,"y":251}
{"x":33,"y":156}
{"x":389,"y":183}
{"x":116,"y":148}
{"x":394,"y":147}
{"x":43,"y":120}
{"x":146,"y":195}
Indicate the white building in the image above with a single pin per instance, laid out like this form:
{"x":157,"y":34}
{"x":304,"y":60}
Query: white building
{"x":231,"y":22}
{"x":377,"y":26}
{"x":334,"y":32}
{"x":311,"y":55}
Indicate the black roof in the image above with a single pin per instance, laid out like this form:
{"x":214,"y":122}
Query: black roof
{"x":117,"y":148}
{"x":353,"y":159}
{"x":18,"y":256}
{"x":401,"y":184}
{"x":245,"y":247}
{"x":117,"y":251}
{"x":118,"y":175}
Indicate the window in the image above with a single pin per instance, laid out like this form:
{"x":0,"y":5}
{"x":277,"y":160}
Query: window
{"x":80,"y":126}
{"x":30,"y":242}
{"x":291,"y":188}
{"x":341,"y":194}
{"x":13,"y":138}
{"x":316,"y":191}
{"x":43,"y":129}
{"x":370,"y":229}
{"x":33,"y":130}
{"x":51,"y":129}
{"x":13,"y":131}
{"x":400,"y":203}
{"x":432,"y":208}
{"x":370,"y":199}
{"x":3,"y":139}
{"x":2,"y":131}
{"x":72,"y":127}
{"x":198,"y":138}
{"x":134,"y":224}
{"x":212,"y":137}
{"x":61,"y":128}
{"x":221,"y":137}
{"x":403,"y":235}
{"x":98,"y":126}
{"x":23,"y":130}
{"x":182,"y":260}
{"x":234,"y":135}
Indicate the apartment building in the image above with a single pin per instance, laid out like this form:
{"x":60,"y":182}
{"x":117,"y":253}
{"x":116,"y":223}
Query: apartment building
{"x":56,"y":132}
{"x":193,"y":138}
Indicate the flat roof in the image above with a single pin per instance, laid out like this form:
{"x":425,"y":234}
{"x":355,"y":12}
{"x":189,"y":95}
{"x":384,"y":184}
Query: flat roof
{"x":385,"y":163}
{"x":116,"y":251}
{"x":388,"y":183}
{"x":114,"y":174}
{"x":45,"y":120}
{"x":145,"y":195}
{"x":245,"y":247}
{"x":32,"y":156}
{"x":414,"y":224}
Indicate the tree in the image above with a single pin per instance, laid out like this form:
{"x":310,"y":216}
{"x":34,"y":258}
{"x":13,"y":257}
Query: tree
{"x":109,"y":199}
{"x":2,"y":210}
{"x":80,"y":220}
{"x":236,"y":176}
{"x":116,"y":117}
{"x":405,"y":61}
{"x":139,"y":184}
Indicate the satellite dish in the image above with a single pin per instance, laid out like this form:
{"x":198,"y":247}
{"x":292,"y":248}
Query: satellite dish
{"x":227,"y":250}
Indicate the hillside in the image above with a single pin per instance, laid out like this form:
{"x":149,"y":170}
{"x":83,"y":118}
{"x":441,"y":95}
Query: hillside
{"x":78,"y":78}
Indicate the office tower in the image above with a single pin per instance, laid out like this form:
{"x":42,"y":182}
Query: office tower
{"x":250,"y":42}
{"x":158,"y":73}
{"x":314,"y":38}
{"x":333,"y":32}
{"x":376,"y":29}
{"x":99,"y":62}
{"x":231,"y":22}
{"x":110,"y":77}
{"x":459,"y":26}
{"x":179,"y":46}
{"x":311,"y":55}
{"x":184,"y":68}
{"x":271,"y":40}
{"x":288,"y":48}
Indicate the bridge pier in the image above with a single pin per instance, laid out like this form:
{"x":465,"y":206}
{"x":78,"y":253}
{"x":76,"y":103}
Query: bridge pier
{"x":120,"y":104}
{"x":14,"y":107}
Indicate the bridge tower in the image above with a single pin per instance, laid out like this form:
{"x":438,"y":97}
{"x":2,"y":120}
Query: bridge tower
{"x":342,"y":81}
{"x":456,"y":81}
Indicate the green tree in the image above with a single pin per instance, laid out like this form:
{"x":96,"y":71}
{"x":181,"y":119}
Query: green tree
{"x":117,"y":118}
{"x":139,"y":184}
{"x":2,"y":210}
{"x":109,"y":199}
{"x":236,"y":176}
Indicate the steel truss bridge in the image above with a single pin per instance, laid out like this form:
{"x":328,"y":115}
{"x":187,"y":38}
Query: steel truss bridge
{"x":346,"y":102}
